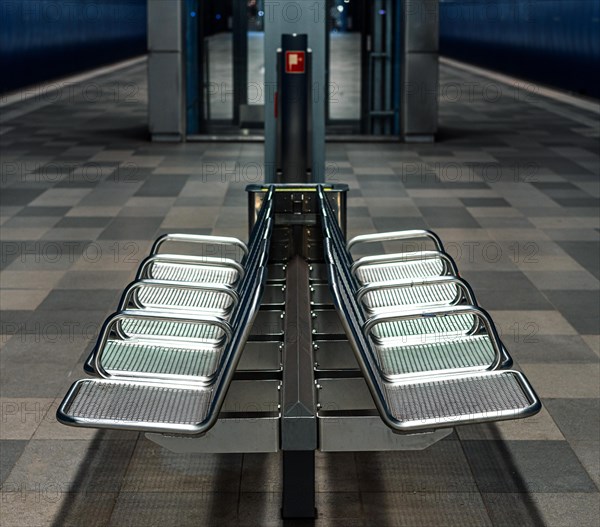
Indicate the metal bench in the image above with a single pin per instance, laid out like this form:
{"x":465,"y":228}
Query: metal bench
{"x":173,"y":400}
{"x":423,"y":372}
{"x":167,"y":367}
{"x":152,"y":310}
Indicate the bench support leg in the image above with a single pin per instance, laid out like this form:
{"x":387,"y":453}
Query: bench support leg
{"x":298,"y":484}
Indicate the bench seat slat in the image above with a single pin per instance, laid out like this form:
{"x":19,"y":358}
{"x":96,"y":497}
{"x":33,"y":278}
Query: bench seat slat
{"x":121,"y":357}
{"x":474,"y":352}
{"x":373,"y":273}
{"x":415,"y":296}
{"x":177,"y":272}
{"x":191,"y":299}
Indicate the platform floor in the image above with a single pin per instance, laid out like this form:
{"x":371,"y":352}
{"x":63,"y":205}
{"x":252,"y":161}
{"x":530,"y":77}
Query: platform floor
{"x":512,"y":187}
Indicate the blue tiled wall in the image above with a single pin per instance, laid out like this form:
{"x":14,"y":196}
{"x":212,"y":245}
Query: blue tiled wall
{"x":555,"y":42}
{"x":46,"y":39}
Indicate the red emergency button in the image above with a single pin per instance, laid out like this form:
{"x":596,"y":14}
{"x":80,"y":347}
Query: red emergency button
{"x":295,"y":62}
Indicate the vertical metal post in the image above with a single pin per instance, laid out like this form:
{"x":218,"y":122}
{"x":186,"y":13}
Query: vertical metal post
{"x":293,"y":92}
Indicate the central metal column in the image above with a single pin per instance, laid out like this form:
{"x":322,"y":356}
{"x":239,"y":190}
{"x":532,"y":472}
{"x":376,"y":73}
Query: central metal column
{"x":299,"y":420}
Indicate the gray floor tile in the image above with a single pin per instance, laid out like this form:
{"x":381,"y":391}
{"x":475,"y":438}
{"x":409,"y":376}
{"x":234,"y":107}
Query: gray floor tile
{"x":526,"y":466}
{"x":577,"y":418}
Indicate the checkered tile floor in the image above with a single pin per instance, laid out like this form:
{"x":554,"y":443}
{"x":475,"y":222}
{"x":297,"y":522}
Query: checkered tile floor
{"x":512,"y":187}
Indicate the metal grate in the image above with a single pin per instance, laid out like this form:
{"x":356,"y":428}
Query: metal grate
{"x":459,"y":399}
{"x":427,"y":329}
{"x":167,"y":328}
{"x":469,"y":352}
{"x":123,"y":357}
{"x":105,"y":402}
{"x":414,"y":296}
{"x":204,"y":300}
{"x":368,"y":274}
{"x":192,"y":273}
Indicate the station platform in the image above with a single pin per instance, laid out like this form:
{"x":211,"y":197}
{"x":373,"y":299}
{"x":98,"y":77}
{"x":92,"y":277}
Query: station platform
{"x":512,"y":186}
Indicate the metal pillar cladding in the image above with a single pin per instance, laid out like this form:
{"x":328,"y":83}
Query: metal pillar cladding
{"x":419,"y":99}
{"x":166,"y":112}
{"x":310,"y":19}
{"x":293,"y":99}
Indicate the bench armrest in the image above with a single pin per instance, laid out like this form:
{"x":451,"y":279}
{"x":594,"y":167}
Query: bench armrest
{"x":396,"y":235}
{"x":405,"y":257}
{"x":482,"y":315}
{"x":120,"y":316}
{"x":419,"y":282}
{"x":128,"y":294}
{"x":187,"y":260}
{"x":198,"y":239}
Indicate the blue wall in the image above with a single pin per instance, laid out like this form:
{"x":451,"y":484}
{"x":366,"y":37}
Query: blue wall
{"x":46,"y":39}
{"x":554,"y":42}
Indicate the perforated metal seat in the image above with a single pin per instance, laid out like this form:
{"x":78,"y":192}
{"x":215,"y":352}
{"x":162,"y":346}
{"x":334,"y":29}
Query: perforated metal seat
{"x":147,"y":406}
{"x":462,"y":399}
{"x":180,"y":272}
{"x":381,"y":300}
{"x":207,"y":301}
{"x":169,"y":330}
{"x":473,"y":352}
{"x":185,"y":362}
{"x":386,"y":272}
{"x":435,"y":329}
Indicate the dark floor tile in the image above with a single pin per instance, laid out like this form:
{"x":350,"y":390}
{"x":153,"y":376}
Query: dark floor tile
{"x":587,"y":254}
{"x":43,"y":211}
{"x":13,"y":197}
{"x":10,"y":451}
{"x":440,"y":468}
{"x":84,"y":299}
{"x":184,"y":509}
{"x":131,"y":229}
{"x":162,"y":186}
{"x":448,"y":217}
{"x":577,"y":202}
{"x":576,"y":418}
{"x":84,"y":222}
{"x":526,"y":345}
{"x":92,"y":509}
{"x":485,"y":202}
{"x":526,"y":466}
{"x":580,"y":308}
{"x":399,"y":224}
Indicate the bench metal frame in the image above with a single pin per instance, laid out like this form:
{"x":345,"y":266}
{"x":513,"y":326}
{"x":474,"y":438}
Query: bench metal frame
{"x":301,"y":353}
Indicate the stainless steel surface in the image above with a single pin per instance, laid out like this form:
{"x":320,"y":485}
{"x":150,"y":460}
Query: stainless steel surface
{"x":242,"y":435}
{"x":147,"y":406}
{"x":310,"y":20}
{"x":157,"y":295}
{"x":434,"y":399}
{"x":368,"y":433}
{"x":461,"y":399}
{"x":181,"y":268}
{"x":397,"y":235}
{"x":198,"y":239}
